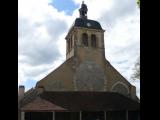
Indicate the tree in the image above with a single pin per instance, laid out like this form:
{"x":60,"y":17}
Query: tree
{"x":138,"y":2}
{"x":136,"y":69}
{"x":136,"y":73}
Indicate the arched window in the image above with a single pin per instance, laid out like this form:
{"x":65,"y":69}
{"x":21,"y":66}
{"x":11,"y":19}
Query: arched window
{"x":85,"y":39}
{"x":93,"y":40}
{"x":120,"y":88}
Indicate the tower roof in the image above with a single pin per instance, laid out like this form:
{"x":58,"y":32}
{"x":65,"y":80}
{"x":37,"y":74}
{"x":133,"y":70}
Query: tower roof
{"x":87,"y":23}
{"x":82,"y":21}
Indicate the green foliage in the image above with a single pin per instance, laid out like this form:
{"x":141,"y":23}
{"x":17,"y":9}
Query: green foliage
{"x":138,"y":2}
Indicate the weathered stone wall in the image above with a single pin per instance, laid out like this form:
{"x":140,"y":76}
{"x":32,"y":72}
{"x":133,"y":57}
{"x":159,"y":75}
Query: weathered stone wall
{"x":60,"y":79}
{"x":70,"y":51}
{"x":113,"y":77}
{"x":90,"y":77}
{"x":88,"y":53}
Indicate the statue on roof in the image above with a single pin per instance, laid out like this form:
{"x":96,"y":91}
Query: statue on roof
{"x":83,"y":10}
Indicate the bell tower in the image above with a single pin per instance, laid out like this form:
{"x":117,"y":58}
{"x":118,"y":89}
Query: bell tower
{"x":85,"y":44}
{"x":85,"y":38}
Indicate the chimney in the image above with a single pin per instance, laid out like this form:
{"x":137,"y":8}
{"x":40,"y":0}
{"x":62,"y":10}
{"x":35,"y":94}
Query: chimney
{"x":21,"y":91}
{"x":133,"y":91}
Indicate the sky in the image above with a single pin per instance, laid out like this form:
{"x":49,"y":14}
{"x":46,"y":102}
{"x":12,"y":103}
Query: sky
{"x":43,"y":24}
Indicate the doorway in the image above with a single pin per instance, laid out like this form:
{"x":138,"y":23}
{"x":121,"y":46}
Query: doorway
{"x":39,"y":116}
{"x":92,"y":115}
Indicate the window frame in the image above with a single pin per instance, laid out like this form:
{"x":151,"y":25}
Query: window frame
{"x":85,"y":39}
{"x":93,"y":41}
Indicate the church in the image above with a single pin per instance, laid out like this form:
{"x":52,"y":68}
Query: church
{"x":85,"y":87}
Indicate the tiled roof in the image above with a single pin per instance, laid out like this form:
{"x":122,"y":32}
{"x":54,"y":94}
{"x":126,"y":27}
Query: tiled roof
{"x":28,"y":97}
{"x":80,"y":101}
{"x":39,"y":104}
{"x":75,"y":101}
{"x":87,"y":23}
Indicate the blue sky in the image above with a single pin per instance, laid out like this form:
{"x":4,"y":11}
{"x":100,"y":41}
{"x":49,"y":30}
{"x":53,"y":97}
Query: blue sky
{"x":29,"y":84}
{"x":43,"y":25}
{"x":64,"y":5}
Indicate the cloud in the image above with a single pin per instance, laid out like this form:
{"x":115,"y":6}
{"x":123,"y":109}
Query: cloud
{"x":123,"y":42}
{"x":120,"y":10}
{"x":38,"y":37}
{"x":42,"y":29}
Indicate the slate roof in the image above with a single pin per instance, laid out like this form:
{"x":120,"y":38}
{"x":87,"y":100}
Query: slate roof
{"x":82,"y":22}
{"x":29,"y":96}
{"x":40,"y":104}
{"x":86,"y":101}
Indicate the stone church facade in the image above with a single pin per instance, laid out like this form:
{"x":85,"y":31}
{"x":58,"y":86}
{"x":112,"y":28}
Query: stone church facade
{"x":86,"y":74}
